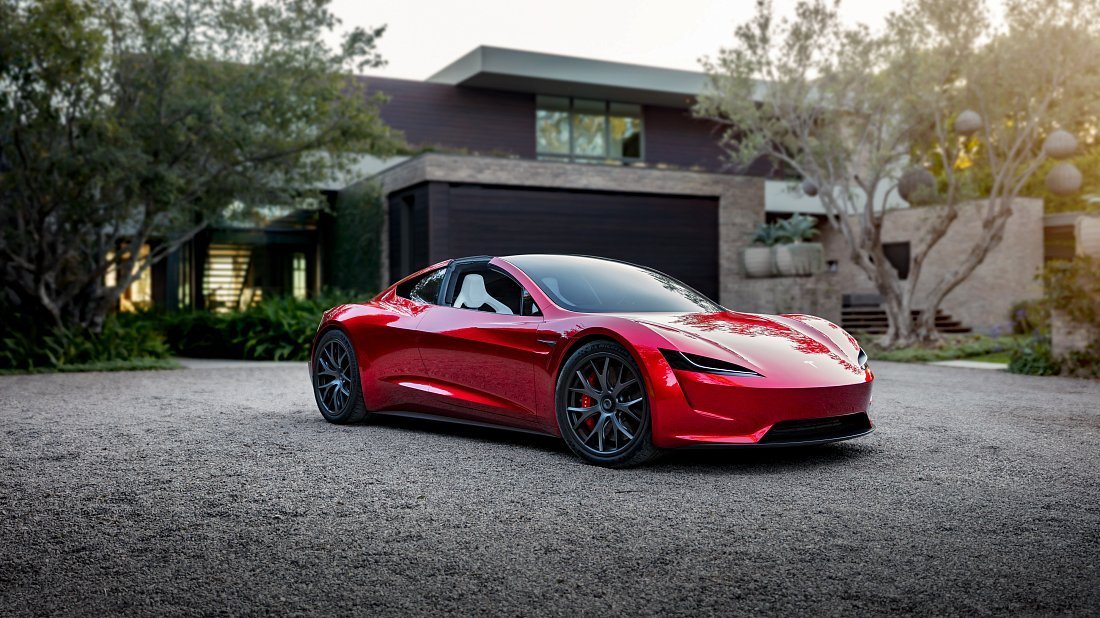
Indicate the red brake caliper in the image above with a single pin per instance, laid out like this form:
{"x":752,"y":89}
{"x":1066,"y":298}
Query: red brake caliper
{"x":587,"y":402}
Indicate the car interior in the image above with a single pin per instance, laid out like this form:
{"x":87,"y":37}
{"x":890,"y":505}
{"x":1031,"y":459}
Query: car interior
{"x":478,"y":287}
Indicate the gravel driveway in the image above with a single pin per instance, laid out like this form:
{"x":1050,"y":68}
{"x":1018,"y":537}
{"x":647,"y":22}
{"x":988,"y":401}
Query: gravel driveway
{"x":221,"y":490}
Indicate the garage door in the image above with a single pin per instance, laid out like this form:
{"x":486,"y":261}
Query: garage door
{"x":674,"y":234}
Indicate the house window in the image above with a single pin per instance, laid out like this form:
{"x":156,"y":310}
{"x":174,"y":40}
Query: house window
{"x":229,"y":278}
{"x":298,"y":275}
{"x":587,"y":130}
{"x":139,"y":294}
{"x":897,"y":253}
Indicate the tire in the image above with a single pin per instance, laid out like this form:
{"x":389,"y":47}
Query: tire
{"x":337,"y":386}
{"x":602,"y":412}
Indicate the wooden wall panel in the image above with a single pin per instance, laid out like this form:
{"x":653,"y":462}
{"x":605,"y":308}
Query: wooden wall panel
{"x":473,"y":119}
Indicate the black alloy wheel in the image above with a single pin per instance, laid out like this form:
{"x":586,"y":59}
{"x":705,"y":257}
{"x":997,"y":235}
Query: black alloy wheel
{"x":603,"y":407}
{"x":336,"y":379}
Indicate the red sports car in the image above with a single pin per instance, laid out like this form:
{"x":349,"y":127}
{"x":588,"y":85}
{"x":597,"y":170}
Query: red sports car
{"x":618,"y":360}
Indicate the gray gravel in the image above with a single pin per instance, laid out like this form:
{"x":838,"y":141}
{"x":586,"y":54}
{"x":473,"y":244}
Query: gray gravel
{"x":221,"y":490}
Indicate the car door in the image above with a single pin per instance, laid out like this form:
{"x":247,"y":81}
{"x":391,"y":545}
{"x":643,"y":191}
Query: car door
{"x":483,"y":358}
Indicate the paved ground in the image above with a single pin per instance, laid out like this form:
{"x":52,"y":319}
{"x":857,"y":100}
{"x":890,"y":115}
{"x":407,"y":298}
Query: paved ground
{"x":221,"y":490}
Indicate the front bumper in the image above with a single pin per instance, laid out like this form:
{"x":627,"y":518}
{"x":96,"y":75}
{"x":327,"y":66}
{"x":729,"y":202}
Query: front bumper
{"x":711,"y":410}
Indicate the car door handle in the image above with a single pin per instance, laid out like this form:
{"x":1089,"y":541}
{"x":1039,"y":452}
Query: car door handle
{"x":549,"y":342}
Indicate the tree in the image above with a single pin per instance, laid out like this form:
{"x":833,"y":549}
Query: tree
{"x":852,"y":110}
{"x":125,"y":122}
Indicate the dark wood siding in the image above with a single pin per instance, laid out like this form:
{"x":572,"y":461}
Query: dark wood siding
{"x":472,"y":119}
{"x":674,"y":234}
{"x":672,"y":136}
{"x":409,"y":236}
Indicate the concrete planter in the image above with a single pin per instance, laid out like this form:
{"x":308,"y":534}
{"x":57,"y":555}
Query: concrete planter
{"x":800,"y":259}
{"x":759,"y":262}
{"x":1088,"y":236}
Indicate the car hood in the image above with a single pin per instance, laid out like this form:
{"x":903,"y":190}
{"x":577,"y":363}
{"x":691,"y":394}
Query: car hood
{"x":789,"y":350}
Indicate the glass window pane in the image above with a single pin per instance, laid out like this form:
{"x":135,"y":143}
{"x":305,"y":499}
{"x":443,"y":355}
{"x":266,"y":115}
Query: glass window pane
{"x":298,"y":276}
{"x":589,"y":128}
{"x":552,"y":125}
{"x":557,"y":104}
{"x":552,"y":132}
{"x":625,"y":124}
{"x":593,"y":285}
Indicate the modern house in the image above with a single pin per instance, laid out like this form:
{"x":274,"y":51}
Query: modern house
{"x":526,"y":152}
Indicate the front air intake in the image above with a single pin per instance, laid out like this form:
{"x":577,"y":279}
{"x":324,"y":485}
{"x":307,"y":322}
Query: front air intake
{"x":818,"y":429}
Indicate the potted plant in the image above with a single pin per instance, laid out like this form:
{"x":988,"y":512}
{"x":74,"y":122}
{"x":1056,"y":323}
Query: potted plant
{"x":758,"y":258}
{"x":794,"y":255}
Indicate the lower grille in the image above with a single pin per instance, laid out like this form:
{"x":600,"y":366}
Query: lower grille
{"x":815,"y":429}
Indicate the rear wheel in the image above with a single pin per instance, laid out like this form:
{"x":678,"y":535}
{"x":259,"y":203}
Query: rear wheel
{"x":603,"y":408}
{"x":336,"y":382}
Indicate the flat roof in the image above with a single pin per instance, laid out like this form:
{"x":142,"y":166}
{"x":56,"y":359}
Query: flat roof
{"x":552,"y":74}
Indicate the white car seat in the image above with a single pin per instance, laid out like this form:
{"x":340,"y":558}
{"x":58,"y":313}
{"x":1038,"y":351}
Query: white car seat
{"x":473,"y":295}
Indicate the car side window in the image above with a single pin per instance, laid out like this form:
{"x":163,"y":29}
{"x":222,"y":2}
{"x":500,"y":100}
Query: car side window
{"x":486,"y":289}
{"x":423,"y":289}
{"x":528,"y":305}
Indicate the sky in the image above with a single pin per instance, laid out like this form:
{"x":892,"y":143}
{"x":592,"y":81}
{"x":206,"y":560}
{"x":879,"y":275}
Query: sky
{"x":423,"y":36}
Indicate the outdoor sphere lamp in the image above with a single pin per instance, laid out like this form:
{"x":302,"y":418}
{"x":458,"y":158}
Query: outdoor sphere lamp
{"x":917,"y":185}
{"x":968,"y":123}
{"x":808,"y":187}
{"x":1060,"y":144}
{"x":1064,"y":179}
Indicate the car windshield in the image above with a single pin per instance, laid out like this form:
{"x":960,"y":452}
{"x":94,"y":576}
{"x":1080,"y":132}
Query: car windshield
{"x":593,"y":285}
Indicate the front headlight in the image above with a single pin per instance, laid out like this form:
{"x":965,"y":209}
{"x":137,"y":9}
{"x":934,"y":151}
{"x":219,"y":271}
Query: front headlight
{"x":704,"y":364}
{"x":861,"y":359}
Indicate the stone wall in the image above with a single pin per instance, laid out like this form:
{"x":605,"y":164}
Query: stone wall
{"x":815,"y":295}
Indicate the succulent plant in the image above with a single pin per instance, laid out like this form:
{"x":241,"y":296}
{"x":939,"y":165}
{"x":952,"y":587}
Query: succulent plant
{"x":796,"y":228}
{"x":765,"y":234}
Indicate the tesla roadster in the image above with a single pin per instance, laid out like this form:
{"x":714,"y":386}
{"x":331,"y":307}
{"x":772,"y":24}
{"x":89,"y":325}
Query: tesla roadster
{"x":618,"y":360}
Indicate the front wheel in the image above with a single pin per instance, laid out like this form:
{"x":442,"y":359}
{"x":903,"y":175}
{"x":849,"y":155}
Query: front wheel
{"x":336,"y":382}
{"x":603,"y":408}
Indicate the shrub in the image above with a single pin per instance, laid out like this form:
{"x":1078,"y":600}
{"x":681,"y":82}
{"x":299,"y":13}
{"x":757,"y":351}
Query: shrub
{"x":1073,"y":288}
{"x":278,"y":329}
{"x":1030,"y":317}
{"x":199,"y":334}
{"x":273,"y":329}
{"x":1033,"y":357}
{"x":27,"y":345}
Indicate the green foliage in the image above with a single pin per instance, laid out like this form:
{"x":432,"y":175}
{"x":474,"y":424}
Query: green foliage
{"x":796,"y":228}
{"x":277,"y":329}
{"x":125,"y":121}
{"x":274,"y":329}
{"x":765,"y":234}
{"x":27,"y":345}
{"x":953,"y":347}
{"x":1030,"y":317}
{"x":1034,"y":357}
{"x":136,"y":364}
{"x":1073,"y":287}
{"x":355,"y":247}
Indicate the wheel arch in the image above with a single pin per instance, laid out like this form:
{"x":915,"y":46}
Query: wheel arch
{"x":585,"y":339}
